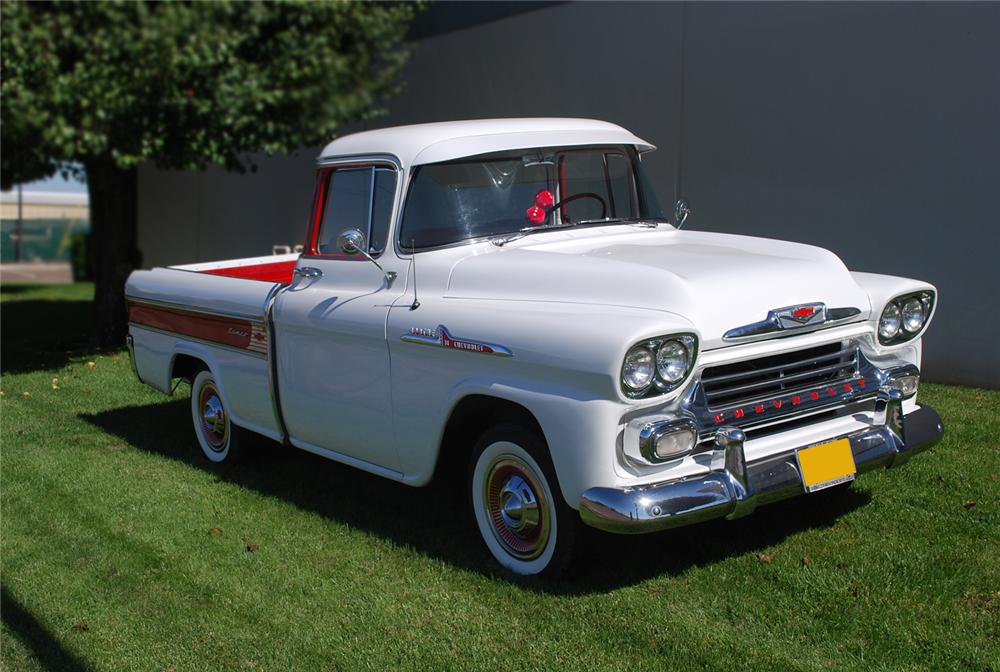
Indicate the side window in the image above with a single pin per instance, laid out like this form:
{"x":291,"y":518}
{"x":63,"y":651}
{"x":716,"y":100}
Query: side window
{"x":382,"y":200}
{"x":357,"y":198}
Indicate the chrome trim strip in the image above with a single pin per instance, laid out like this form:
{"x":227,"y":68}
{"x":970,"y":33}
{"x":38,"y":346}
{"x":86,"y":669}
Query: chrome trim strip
{"x":739,"y":487}
{"x":782,"y":319}
{"x":360,"y":160}
{"x":272,"y":363}
{"x":245,"y":351}
{"x":257,"y":319}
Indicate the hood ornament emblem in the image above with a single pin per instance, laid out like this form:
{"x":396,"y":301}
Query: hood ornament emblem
{"x":800,"y":315}
{"x":806,"y":316}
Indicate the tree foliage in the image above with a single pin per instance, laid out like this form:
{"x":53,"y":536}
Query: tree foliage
{"x":101,"y":87}
{"x":188,"y":84}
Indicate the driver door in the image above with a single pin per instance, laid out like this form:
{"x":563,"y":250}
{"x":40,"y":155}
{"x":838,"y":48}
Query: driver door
{"x":333,"y":362}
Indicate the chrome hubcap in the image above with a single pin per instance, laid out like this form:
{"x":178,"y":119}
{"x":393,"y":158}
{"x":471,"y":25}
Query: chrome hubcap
{"x":517,"y":508}
{"x":214,"y":423}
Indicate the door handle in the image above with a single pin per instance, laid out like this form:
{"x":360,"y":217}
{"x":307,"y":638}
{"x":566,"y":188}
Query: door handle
{"x":308,"y":272}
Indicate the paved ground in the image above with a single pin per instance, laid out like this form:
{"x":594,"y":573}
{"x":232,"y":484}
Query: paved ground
{"x":37,"y":272}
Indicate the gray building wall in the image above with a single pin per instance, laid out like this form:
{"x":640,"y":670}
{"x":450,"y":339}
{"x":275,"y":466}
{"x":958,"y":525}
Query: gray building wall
{"x":869,"y":129}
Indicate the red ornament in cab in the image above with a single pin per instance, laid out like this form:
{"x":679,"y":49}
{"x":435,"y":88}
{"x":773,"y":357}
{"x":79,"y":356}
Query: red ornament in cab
{"x":535,"y":215}
{"x":544,"y":199}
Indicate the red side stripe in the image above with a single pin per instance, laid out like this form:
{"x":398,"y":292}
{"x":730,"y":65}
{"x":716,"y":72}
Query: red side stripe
{"x":224,"y":330}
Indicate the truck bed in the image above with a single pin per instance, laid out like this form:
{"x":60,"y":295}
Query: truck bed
{"x":215,"y":312}
{"x":237,"y":287}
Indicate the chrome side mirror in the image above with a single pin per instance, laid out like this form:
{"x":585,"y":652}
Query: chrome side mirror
{"x":681,"y":211}
{"x":351,"y":242}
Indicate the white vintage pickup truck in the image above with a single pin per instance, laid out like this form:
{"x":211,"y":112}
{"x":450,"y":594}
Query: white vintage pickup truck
{"x":509,"y":296}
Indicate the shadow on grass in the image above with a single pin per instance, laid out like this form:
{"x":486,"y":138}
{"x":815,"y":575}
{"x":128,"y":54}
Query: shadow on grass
{"x":41,"y":334}
{"x":47,"y":650}
{"x":435,"y":520}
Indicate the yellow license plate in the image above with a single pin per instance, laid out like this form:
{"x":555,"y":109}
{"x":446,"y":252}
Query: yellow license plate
{"x":826,"y":465}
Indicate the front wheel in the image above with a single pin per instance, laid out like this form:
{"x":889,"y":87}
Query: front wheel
{"x":517,"y":505}
{"x":219,"y":438}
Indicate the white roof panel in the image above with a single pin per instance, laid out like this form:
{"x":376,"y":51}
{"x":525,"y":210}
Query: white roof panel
{"x":430,"y":143}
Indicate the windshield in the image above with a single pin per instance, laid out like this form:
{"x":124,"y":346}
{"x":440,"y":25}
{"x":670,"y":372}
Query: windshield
{"x":524,"y":190}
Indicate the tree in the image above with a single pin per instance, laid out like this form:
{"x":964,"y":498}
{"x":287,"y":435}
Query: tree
{"x":105,"y":86}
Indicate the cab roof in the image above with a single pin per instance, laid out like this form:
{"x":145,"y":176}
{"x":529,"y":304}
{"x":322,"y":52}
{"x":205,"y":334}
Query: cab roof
{"x":431,"y":143}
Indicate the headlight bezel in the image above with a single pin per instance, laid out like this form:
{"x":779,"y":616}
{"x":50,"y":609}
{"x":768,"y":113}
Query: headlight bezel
{"x":658,"y":385}
{"x":927,"y":299}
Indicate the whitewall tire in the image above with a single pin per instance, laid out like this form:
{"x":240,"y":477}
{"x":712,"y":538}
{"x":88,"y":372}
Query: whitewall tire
{"x":219,"y":438}
{"x":517,"y":504}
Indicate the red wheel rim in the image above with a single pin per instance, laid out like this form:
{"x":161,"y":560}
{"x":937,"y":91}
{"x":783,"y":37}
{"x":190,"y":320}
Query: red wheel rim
{"x":214,"y":421}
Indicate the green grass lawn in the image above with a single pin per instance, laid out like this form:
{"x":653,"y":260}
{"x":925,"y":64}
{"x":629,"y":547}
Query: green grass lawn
{"x":123,"y":549}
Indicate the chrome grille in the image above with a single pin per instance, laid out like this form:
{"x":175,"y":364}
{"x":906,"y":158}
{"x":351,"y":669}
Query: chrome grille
{"x":744,"y":382}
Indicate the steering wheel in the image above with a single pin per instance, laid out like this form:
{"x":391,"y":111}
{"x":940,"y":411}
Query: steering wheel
{"x":583,"y":194}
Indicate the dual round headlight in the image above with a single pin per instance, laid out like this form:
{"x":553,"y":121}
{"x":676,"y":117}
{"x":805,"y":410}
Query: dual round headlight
{"x":904,"y":317}
{"x":658,"y":365}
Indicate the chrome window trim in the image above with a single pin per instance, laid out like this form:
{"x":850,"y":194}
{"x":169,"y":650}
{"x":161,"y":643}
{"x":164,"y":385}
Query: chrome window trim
{"x":360,"y":160}
{"x":373,"y":161}
{"x":408,"y":176}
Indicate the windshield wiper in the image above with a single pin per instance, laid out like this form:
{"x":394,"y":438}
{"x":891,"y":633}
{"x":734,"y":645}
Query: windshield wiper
{"x":650,"y":223}
{"x":500,"y":241}
{"x":607,"y":220}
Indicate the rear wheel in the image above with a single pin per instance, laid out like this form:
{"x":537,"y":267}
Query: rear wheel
{"x":219,"y":438}
{"x":517,"y":505}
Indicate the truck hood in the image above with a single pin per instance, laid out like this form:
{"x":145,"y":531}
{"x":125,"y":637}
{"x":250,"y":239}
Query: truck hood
{"x":714,"y":281}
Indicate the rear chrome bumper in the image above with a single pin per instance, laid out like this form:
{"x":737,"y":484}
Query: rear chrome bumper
{"x":739,"y":487}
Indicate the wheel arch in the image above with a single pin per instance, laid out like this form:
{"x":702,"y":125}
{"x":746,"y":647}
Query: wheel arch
{"x":472,"y":416}
{"x":187,"y":366}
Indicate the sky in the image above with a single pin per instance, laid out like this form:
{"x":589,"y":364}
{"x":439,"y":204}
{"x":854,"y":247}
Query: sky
{"x":56,"y":183}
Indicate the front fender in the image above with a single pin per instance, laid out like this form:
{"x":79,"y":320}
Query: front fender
{"x":579,"y":429}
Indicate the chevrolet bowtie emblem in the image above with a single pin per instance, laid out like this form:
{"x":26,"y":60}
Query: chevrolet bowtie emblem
{"x":801,"y":315}
{"x":812,"y":315}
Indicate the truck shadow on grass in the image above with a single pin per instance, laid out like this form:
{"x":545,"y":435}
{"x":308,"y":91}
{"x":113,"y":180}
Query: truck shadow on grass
{"x":435,"y":520}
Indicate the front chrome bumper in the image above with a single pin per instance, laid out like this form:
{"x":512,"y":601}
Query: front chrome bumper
{"x":739,"y":487}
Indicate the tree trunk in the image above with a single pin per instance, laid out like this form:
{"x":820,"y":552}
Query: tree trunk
{"x":113,"y":251}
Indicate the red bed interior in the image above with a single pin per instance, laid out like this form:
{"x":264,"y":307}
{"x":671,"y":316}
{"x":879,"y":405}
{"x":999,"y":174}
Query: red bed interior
{"x":278,"y":271}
